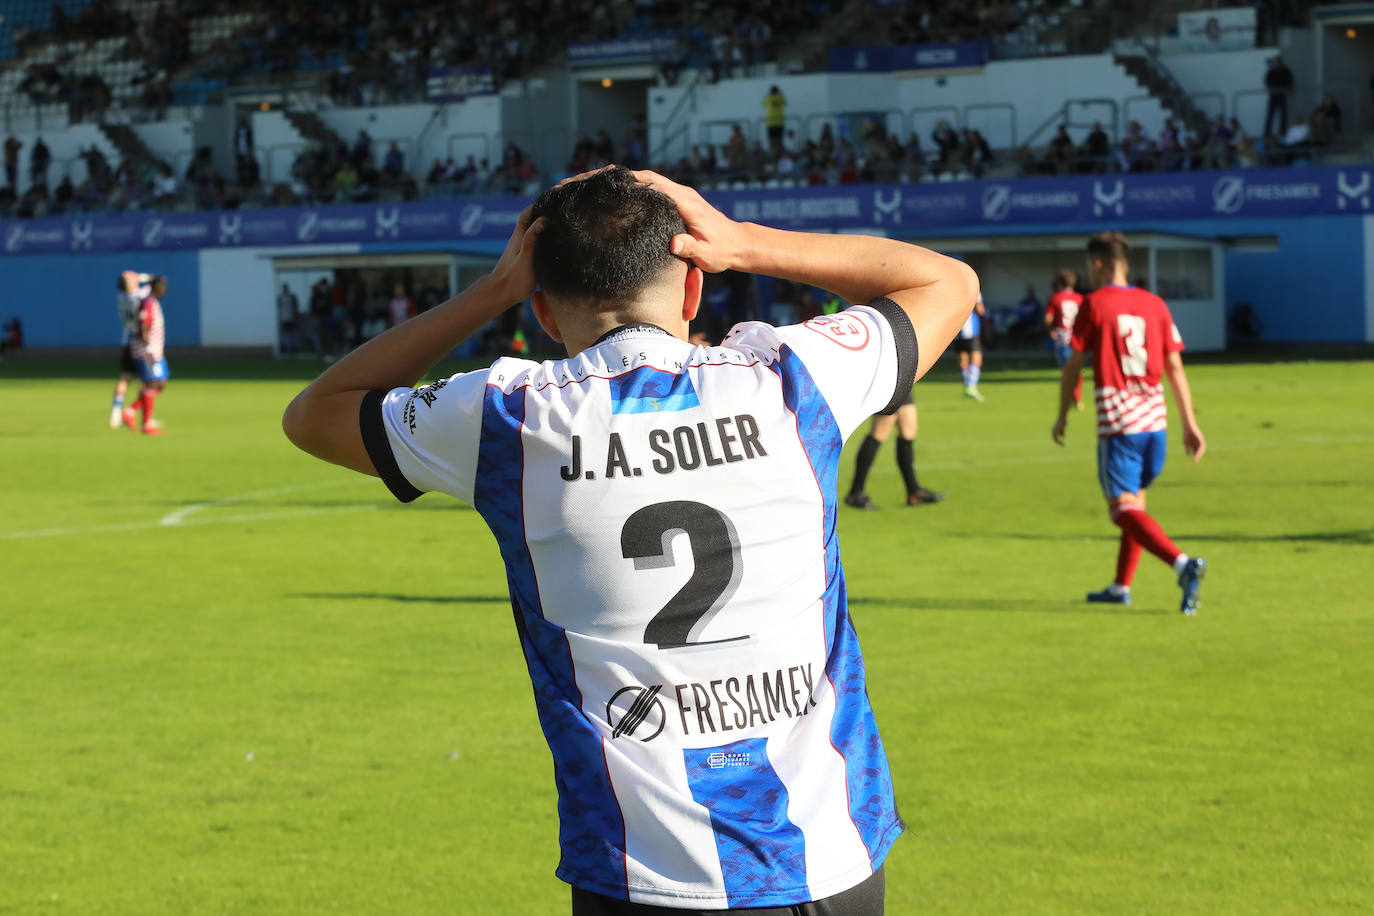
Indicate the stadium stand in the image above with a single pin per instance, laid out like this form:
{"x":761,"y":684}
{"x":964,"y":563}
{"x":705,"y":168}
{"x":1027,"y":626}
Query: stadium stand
{"x":95,"y":79}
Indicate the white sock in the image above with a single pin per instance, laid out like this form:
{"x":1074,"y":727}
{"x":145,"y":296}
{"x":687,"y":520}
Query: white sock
{"x":1180,"y":563}
{"x":964,"y":374}
{"x":1119,"y":590}
{"x":973,"y":373}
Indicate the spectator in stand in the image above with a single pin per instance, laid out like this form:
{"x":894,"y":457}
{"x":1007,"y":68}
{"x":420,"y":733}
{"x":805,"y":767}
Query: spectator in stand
{"x":1095,"y":151}
{"x":948,"y":143}
{"x":12,"y":147}
{"x":401,"y":307}
{"x":1059,"y":156}
{"x":40,"y":157}
{"x":675,"y":60}
{"x":288,"y":316}
{"x":1217,"y":151}
{"x":393,"y":165}
{"x":1278,"y":81}
{"x":1169,"y":150}
{"x":775,"y":117}
{"x":1331,"y":113}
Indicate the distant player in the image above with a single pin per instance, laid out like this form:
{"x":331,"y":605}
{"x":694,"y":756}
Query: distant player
{"x":147,"y":347}
{"x":905,"y":420}
{"x":969,"y":345}
{"x":1060,"y":313}
{"x":1134,"y":343}
{"x":130,"y":290}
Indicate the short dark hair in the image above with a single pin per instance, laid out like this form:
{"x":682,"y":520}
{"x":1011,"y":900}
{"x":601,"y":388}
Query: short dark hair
{"x":604,"y":238}
{"x":1109,"y":247}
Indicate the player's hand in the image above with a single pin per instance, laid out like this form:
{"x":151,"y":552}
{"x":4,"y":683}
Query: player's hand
{"x":1057,"y":433}
{"x":1193,"y":443}
{"x":713,"y":242}
{"x":514,"y":272}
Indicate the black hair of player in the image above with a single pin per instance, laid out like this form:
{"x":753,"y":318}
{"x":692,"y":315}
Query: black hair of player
{"x":604,"y":238}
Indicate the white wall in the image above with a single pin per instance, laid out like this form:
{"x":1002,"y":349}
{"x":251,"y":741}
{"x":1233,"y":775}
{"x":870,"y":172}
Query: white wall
{"x":1036,"y":89}
{"x":66,"y":145}
{"x":171,"y":141}
{"x":1229,"y":73}
{"x":471,"y":128}
{"x":237,"y":301}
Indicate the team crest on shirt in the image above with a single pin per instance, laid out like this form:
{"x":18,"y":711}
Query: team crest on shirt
{"x":849,"y":331}
{"x":636,"y":712}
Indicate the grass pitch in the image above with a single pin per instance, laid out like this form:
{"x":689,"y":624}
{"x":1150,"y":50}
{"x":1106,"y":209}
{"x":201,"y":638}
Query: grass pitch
{"x":236,"y":680}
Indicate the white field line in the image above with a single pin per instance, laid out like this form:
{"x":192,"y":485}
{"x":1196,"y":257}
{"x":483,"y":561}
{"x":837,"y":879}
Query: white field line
{"x":183,"y":516}
{"x":178,"y":516}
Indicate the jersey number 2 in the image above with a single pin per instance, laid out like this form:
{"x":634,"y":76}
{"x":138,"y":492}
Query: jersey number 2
{"x":1134,"y":361}
{"x":647,"y":539}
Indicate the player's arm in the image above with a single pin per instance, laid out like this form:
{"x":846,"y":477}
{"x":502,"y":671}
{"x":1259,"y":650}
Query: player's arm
{"x":935,"y":291}
{"x":1051,"y":319}
{"x":323,"y":419}
{"x":1073,"y":368}
{"x":1193,"y":442}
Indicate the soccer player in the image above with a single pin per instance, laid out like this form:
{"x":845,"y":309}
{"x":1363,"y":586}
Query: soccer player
{"x":130,"y":290}
{"x":1060,"y":313}
{"x":147,"y":347}
{"x":1134,"y":343}
{"x":905,"y":420}
{"x":666,"y":514}
{"x":969,"y":346}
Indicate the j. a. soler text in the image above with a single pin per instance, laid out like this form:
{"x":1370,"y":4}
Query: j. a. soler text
{"x":690,"y":447}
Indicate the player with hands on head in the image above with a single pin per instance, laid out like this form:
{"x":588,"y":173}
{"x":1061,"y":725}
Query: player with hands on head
{"x":131,"y":288}
{"x":666,"y":516}
{"x":1135,"y":344}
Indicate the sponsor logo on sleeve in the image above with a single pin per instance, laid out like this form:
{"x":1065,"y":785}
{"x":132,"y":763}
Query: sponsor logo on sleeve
{"x":849,"y":331}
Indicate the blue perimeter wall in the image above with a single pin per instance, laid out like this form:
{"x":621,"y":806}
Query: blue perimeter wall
{"x":69,"y":300}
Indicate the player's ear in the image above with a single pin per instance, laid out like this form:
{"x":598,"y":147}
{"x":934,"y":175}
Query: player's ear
{"x":691,"y":292}
{"x":544,"y":315}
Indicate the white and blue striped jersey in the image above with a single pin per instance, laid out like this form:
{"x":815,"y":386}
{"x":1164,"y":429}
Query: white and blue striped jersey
{"x":128,"y":305}
{"x":973,"y":324}
{"x":666,"y":514}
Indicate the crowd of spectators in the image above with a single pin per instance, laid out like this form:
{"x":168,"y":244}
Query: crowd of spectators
{"x":1223,"y":144}
{"x":346,"y":311}
{"x":515,"y":174}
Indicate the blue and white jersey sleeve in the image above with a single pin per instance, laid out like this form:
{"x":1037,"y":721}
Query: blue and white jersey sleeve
{"x":426,"y":439}
{"x":863,"y":360}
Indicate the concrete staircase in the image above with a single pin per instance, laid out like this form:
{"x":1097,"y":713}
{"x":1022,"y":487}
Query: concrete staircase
{"x":1156,"y":80}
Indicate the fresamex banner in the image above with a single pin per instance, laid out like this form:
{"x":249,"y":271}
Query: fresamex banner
{"x":1230,"y":29}
{"x":885,"y":59}
{"x":1096,"y":202}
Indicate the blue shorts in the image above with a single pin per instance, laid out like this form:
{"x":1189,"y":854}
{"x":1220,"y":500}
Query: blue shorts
{"x":153,"y":370}
{"x":1061,"y":353}
{"x":1130,"y":463}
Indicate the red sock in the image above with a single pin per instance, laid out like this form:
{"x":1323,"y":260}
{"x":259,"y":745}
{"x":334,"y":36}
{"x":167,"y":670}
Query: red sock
{"x":1126,"y":560}
{"x":137,"y":404}
{"x":147,"y":398}
{"x":1146,"y":532}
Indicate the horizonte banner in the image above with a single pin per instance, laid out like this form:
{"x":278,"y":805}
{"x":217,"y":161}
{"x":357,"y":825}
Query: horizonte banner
{"x":1097,"y":201}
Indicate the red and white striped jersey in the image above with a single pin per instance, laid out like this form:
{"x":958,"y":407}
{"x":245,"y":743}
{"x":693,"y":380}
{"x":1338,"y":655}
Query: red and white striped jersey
{"x":149,"y":344}
{"x":1062,"y":310}
{"x":1129,"y":332}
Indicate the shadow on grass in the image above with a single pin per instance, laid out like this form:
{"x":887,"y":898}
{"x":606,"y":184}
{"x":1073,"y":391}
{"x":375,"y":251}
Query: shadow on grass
{"x":1006,"y":605}
{"x":1358,"y":536}
{"x":403,"y":599}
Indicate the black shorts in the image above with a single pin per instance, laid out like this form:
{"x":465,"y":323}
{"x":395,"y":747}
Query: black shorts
{"x":910,"y":399}
{"x":127,"y":364}
{"x":968,"y":345}
{"x":863,"y":899}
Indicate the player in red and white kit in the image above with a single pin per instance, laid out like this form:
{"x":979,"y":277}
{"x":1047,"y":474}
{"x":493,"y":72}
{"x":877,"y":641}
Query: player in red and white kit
{"x":147,"y":346}
{"x":1060,"y":313}
{"x":1135,"y":344}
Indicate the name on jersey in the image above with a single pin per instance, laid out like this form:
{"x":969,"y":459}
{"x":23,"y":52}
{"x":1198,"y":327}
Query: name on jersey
{"x":727,"y":704}
{"x":689,"y":447}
